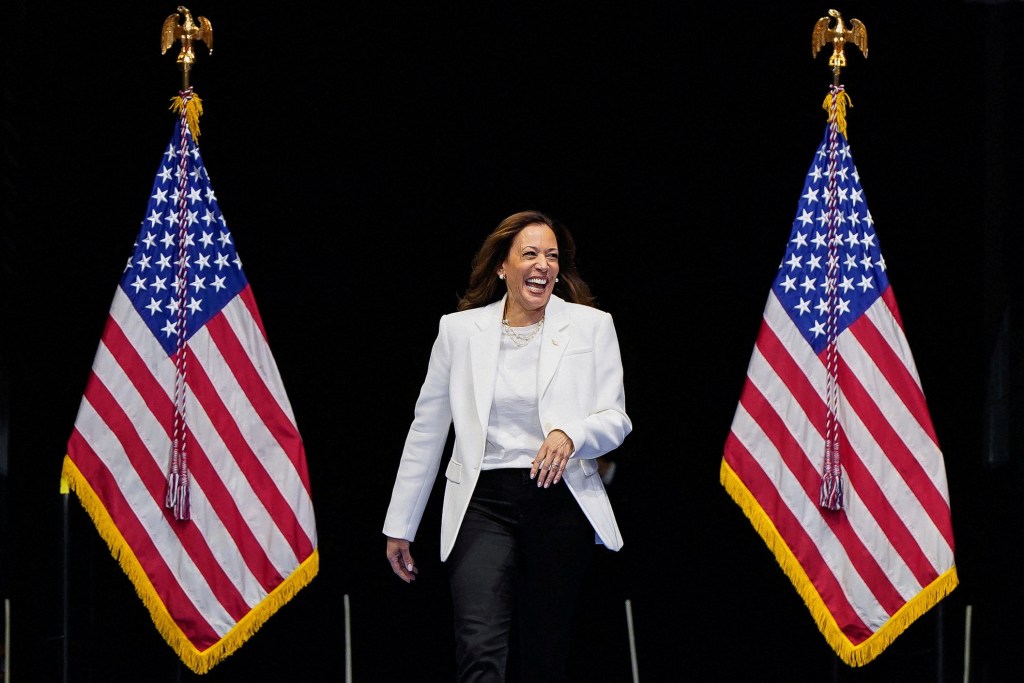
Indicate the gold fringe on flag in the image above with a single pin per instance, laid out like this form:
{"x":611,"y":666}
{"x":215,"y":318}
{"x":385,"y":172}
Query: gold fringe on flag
{"x":842,"y":101}
{"x":193,"y":110}
{"x":199,"y":661}
{"x":853,"y":655}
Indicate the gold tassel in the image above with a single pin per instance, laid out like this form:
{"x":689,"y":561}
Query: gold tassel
{"x":842,"y":101}
{"x":193,"y":110}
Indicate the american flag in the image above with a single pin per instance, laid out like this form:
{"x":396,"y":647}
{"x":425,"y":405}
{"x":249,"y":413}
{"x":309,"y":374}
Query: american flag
{"x":832,"y":341}
{"x":184,"y":367}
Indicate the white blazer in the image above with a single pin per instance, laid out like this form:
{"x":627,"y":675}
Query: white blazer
{"x":581,"y":393}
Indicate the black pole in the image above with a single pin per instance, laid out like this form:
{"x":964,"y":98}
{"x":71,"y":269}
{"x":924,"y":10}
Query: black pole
{"x":65,"y":588}
{"x":940,"y":646}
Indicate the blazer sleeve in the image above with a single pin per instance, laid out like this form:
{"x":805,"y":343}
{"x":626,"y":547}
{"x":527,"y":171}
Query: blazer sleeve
{"x":424,"y":444}
{"x":606,"y":425}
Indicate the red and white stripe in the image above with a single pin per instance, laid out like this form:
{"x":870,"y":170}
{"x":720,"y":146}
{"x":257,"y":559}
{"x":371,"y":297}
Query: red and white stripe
{"x":894,"y":536}
{"x":252,"y":520}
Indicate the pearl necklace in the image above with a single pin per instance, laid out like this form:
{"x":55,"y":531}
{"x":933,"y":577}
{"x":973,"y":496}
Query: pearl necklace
{"x":519,"y":339}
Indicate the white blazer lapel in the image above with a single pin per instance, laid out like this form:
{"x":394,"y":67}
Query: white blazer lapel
{"x":554,"y":342}
{"x":483,"y":355}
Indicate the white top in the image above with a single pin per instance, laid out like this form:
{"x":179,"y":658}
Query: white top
{"x":514,"y":434}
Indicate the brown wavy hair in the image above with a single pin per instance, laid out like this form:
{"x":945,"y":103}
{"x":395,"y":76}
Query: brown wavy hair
{"x":486,"y":288}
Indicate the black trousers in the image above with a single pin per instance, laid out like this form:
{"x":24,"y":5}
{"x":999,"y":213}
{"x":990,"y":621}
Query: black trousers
{"x":516,"y":570}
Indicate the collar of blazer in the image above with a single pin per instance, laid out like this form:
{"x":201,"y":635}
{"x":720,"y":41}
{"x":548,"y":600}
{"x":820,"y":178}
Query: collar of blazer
{"x":484,"y":345}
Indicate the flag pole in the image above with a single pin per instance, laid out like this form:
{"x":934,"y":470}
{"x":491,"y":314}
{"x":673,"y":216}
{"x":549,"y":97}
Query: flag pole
{"x":65,"y":585}
{"x":632,"y":642}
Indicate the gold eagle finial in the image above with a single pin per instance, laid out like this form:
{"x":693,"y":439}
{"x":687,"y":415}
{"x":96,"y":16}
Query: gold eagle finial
{"x":838,"y":36}
{"x":187,"y":32}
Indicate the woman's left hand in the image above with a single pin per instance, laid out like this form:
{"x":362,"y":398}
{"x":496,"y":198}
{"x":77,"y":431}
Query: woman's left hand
{"x":552,"y":458}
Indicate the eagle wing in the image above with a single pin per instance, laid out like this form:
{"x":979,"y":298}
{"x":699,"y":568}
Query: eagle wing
{"x":206,"y":32}
{"x":821,"y":36}
{"x":171,"y":32}
{"x":860,"y":35}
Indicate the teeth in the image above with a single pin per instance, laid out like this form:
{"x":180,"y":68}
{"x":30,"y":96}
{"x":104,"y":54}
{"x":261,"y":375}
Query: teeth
{"x":537,"y":281}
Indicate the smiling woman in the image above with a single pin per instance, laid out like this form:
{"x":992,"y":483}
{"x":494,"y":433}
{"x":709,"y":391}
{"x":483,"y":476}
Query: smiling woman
{"x":533,"y":385}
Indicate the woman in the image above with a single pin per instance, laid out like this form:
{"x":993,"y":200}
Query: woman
{"x":533,"y":384}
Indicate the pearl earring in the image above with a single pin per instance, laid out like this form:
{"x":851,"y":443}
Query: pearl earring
{"x":501,"y":276}
{"x":556,"y":279}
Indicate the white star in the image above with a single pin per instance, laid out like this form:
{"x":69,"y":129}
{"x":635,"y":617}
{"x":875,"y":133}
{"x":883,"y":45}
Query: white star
{"x":808,"y":284}
{"x":168,"y":240}
{"x":788,"y":284}
{"x":816,"y":173}
{"x":854,"y":217}
{"x":851,"y":239}
{"x":822,"y":307}
{"x":823,"y":219}
{"x":143,"y":262}
{"x":154,"y":218}
{"x":841,"y":192}
{"x":856,"y":175}
{"x":207,"y":239}
{"x":880,"y":263}
{"x":803,"y":306}
{"x":844,"y":151}
{"x":821,"y":152}
{"x":172,"y":306}
{"x":855,"y":196}
{"x":158,"y":283}
{"x":194,"y":196}
{"x":811,"y":195}
{"x":154,"y":306}
{"x":139,"y":284}
{"x":814,"y":262}
{"x":208,"y":217}
{"x":818,"y":329}
{"x":794,"y":261}
{"x":164,"y":261}
{"x":170,"y":153}
{"x":128,"y":266}
{"x":210,"y":196}
{"x":865,"y":283}
{"x":843,"y":306}
{"x":869,"y":219}
{"x":221,"y":260}
{"x":800,"y":240}
{"x":169,"y":328}
{"x":841,"y":173}
{"x":850,"y":262}
{"x":238,"y":261}
{"x":224,"y":238}
{"x":218,"y":283}
{"x":805,"y":217}
{"x":171,"y":218}
{"x":846,"y":284}
{"x":198,"y":283}
{"x":203,"y":261}
{"x":148,"y":240}
{"x":160,"y":197}
{"x":868,"y":240}
{"x":819,"y":240}
{"x":195,"y":305}
{"x":866,"y":261}
{"x":165,"y":174}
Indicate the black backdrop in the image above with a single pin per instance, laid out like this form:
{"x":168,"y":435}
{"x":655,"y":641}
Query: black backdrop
{"x":360,"y":152}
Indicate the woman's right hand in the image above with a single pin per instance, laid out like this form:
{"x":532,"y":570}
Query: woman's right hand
{"x":401,"y":559}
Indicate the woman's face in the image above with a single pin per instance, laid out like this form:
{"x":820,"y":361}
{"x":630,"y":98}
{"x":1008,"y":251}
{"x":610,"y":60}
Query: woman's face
{"x":530,"y":270}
